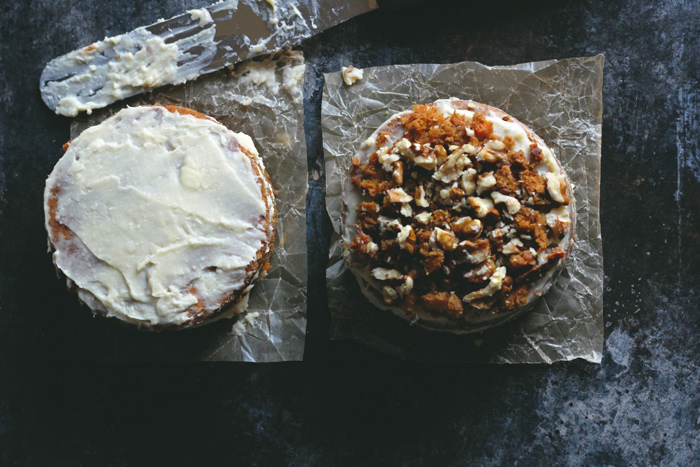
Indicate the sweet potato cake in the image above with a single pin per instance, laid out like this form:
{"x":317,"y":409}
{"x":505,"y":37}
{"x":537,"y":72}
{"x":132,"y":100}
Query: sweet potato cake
{"x":456,"y":216}
{"x":160,"y":217}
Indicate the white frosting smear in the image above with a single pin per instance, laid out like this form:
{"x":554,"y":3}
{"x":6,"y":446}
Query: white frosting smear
{"x":202,"y":15}
{"x":145,"y":61}
{"x":165,"y":213}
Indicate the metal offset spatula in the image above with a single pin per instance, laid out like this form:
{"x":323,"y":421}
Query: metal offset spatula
{"x":184,"y":47}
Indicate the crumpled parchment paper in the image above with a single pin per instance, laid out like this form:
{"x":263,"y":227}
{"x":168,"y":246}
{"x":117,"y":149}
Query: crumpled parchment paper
{"x":562,"y":102}
{"x":264,"y":99}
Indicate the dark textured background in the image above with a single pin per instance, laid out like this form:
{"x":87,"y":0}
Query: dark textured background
{"x":346,"y":405}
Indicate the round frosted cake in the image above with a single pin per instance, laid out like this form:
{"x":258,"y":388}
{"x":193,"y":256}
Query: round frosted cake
{"x":456,"y":216}
{"x":161,"y":217}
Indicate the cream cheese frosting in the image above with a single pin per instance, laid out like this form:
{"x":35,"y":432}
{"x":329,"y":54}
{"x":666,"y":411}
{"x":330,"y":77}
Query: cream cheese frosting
{"x":167,"y":212}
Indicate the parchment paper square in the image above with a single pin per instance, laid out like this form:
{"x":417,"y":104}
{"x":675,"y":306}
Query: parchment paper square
{"x":264,"y":99}
{"x":562,"y":102}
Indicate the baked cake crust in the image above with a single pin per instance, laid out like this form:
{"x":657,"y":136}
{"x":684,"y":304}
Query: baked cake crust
{"x":74,"y":258}
{"x":456,"y":216}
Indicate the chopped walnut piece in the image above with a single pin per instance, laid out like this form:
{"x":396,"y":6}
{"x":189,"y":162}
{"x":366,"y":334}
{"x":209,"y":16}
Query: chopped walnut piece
{"x":480,"y":273}
{"x":536,"y":272}
{"x":447,"y":240}
{"x":483,"y":207}
{"x":428,"y":161}
{"x":360,"y":242}
{"x":516,"y":297}
{"x":559,"y":221}
{"x":369,"y":206}
{"x":440,"y":154}
{"x":512,"y":247}
{"x":423,"y":217}
{"x":560,"y":214}
{"x":555,"y":188}
{"x":386,"y":158}
{"x":406,"y":287}
{"x":420,"y":198}
{"x":468,"y":184}
{"x":389,"y":295}
{"x":397,"y":175}
{"x":397,"y":195}
{"x":440,"y":218}
{"x":351,"y":74}
{"x":452,"y":167}
{"x":512,"y":204}
{"x":521,"y":260}
{"x":494,"y":286}
{"x":371,"y":248}
{"x":407,"y":238}
{"x":456,"y":193}
{"x":387,"y":223}
{"x":383,"y":274}
{"x":476,"y":251}
{"x":484,"y":303}
{"x":372,"y":186}
{"x":555,"y":254}
{"x":467,"y":226}
{"x":492,"y":152}
{"x":404,"y":147}
{"x":423,"y":241}
{"x":496,"y":237}
{"x":484,"y":182}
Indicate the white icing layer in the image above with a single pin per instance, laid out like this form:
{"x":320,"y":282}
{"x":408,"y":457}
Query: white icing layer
{"x":145,"y":61}
{"x":166,"y":211}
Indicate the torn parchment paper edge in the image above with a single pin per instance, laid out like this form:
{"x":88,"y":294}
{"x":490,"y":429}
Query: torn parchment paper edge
{"x":263,"y":98}
{"x":561,"y":100}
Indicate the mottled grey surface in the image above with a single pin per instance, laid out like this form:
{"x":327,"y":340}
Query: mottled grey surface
{"x":346,"y":405}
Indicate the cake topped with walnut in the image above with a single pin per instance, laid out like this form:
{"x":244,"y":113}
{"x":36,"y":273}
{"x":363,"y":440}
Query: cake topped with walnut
{"x":456,"y":216}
